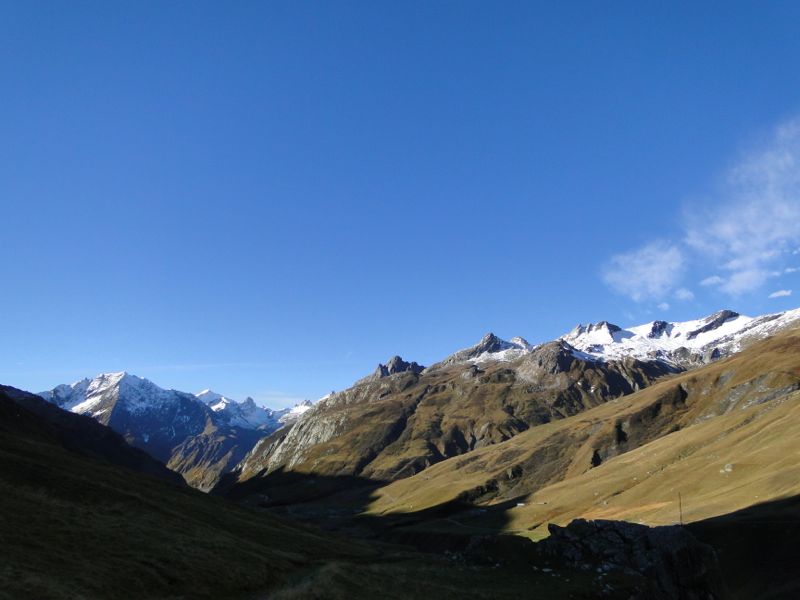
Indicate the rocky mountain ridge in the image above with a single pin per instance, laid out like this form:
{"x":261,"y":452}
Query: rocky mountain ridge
{"x":681,"y":344}
{"x":393,"y":425}
{"x":404,"y":416}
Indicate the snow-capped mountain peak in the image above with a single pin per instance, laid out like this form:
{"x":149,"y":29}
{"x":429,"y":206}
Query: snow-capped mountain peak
{"x":489,"y":348}
{"x":216,"y":402}
{"x":89,"y":396}
{"x":597,"y":333}
{"x":208,"y":396}
{"x":679,"y":343}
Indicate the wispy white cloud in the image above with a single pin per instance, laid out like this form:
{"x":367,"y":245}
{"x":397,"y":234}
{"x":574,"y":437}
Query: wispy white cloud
{"x":746,"y":231}
{"x":684,"y":294}
{"x":713,"y":280}
{"x":663,"y":306}
{"x":754,"y":222}
{"x":647,"y":273}
{"x":790,"y":270}
{"x":744,"y":281}
{"x":781,"y":294}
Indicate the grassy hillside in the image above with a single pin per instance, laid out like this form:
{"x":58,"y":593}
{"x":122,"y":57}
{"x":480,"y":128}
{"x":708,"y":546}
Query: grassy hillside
{"x":723,"y":436}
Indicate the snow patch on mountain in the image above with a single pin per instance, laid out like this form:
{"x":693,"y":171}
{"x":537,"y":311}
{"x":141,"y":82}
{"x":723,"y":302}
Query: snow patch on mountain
{"x":298,"y":410}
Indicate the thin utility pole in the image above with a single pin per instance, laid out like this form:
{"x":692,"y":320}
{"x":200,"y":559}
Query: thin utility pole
{"x":680,"y":508}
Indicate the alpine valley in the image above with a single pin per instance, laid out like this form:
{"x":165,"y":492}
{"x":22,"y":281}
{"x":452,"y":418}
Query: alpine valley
{"x":654,"y":461}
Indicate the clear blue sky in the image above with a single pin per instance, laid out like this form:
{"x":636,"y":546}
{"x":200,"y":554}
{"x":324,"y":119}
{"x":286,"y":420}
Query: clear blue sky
{"x":269,"y":198}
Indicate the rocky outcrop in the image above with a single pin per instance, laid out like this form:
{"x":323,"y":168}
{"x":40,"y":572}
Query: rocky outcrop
{"x":668,"y":562}
{"x":394,"y":366}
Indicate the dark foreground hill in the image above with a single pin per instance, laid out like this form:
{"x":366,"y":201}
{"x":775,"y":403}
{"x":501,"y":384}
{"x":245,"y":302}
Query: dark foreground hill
{"x":82,"y":520}
{"x":76,"y":523}
{"x":27,"y":416}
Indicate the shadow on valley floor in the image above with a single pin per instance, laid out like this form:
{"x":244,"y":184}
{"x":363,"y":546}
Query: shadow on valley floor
{"x":627,"y":562}
{"x":758,"y":549}
{"x":339,"y":504}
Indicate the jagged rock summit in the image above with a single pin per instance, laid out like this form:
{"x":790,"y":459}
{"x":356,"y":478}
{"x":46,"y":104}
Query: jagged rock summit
{"x":398,"y":365}
{"x":393,"y":366}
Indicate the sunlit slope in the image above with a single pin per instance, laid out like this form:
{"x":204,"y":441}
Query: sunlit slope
{"x":724,"y":436}
{"x":393,"y":427}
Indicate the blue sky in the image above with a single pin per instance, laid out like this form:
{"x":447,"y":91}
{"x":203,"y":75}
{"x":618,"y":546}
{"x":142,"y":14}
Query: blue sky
{"x":269,"y":198}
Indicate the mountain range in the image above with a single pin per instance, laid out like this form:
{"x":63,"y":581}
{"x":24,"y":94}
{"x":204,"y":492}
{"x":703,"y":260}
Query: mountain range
{"x":405,"y":417}
{"x":482,"y":453}
{"x":394,"y":424}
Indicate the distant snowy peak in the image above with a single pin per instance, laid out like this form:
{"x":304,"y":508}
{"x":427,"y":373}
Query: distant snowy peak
{"x":114,"y":392}
{"x":213,"y":399}
{"x":489,"y":348}
{"x":290,"y":415}
{"x":679,"y":343}
{"x":98,"y":395}
{"x":246,"y":414}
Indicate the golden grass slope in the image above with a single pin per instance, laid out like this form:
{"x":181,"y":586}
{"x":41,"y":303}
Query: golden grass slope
{"x":724,"y":436}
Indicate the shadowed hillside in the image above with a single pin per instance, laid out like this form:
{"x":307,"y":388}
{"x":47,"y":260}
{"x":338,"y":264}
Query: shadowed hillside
{"x":27,"y":416}
{"x":757,"y":549}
